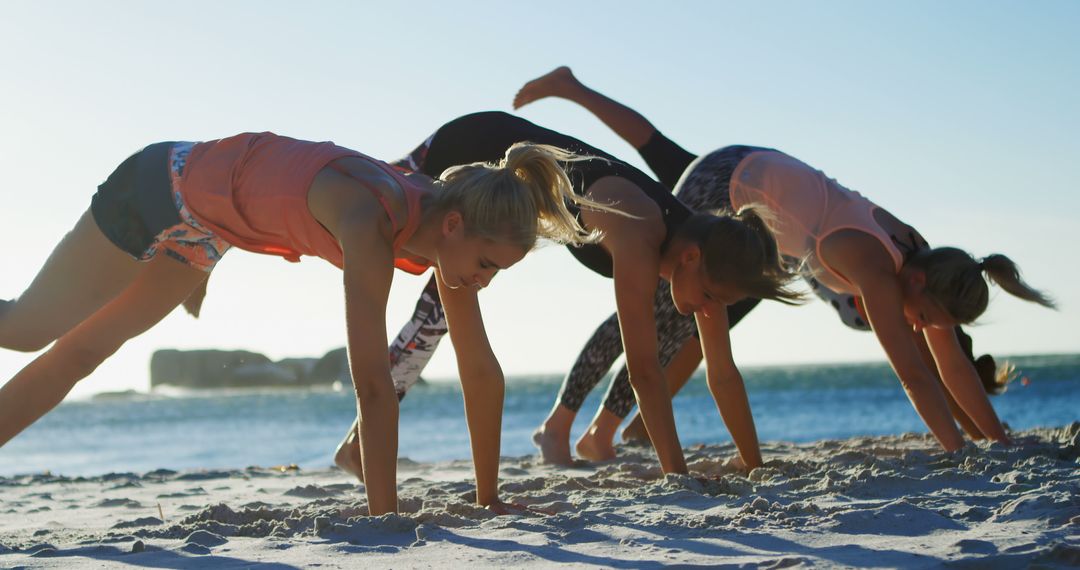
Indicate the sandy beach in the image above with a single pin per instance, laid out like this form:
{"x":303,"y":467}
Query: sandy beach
{"x":866,"y":502}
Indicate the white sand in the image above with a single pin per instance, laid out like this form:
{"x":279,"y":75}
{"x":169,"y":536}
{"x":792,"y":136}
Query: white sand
{"x":877,"y":502}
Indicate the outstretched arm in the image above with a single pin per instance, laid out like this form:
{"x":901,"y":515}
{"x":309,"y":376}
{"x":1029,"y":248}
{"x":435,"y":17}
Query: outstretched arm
{"x":961,"y":380}
{"x":634,"y":245}
{"x":368,"y":267}
{"x":410,"y":352}
{"x":883,"y":301}
{"x":865,"y":262}
{"x":482,"y":385}
{"x":727,"y":387}
{"x":635,"y":285}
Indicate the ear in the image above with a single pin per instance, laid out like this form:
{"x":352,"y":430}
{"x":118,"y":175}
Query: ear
{"x":452,"y":223}
{"x":916,"y":280}
{"x":690,"y":254}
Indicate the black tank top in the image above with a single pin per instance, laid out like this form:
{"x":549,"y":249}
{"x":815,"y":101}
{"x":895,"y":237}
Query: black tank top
{"x":484,"y":137}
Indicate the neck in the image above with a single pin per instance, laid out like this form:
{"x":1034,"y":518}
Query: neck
{"x":425,"y":240}
{"x":669,"y":259}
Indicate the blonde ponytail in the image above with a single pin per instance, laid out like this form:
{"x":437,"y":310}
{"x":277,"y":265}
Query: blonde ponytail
{"x":1003,"y":272}
{"x":955,"y":280}
{"x":520,"y":198}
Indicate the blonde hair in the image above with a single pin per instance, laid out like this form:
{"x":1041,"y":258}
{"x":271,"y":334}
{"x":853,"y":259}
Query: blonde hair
{"x":739,"y":248}
{"x":520,"y":198}
{"x":955,"y":280}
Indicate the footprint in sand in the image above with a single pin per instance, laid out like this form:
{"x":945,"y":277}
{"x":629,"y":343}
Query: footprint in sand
{"x":312,"y":492}
{"x":121,"y":502}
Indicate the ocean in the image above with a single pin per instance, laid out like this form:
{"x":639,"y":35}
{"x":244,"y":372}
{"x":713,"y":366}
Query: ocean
{"x":235,"y":429}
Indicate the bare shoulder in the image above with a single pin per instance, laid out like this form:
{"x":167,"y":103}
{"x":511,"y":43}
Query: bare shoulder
{"x":856,"y":255}
{"x":646,"y":225}
{"x":357,"y":191}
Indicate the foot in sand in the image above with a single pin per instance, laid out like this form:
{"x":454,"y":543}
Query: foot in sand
{"x":594,"y":447}
{"x":349,"y":460}
{"x":554,"y":448}
{"x":558,"y":83}
{"x":635,"y":432}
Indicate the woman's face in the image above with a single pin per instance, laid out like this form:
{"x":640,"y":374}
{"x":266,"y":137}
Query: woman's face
{"x":920,"y":309}
{"x":693,"y":292}
{"x":466,"y":261}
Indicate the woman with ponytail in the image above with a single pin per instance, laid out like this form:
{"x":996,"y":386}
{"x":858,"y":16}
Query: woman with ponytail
{"x":712,"y":262}
{"x":913,"y":297}
{"x":160,"y":223}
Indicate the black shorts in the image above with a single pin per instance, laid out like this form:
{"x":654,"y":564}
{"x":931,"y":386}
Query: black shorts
{"x":140,"y":210}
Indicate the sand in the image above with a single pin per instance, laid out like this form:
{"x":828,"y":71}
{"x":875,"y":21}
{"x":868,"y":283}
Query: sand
{"x":863,"y":502}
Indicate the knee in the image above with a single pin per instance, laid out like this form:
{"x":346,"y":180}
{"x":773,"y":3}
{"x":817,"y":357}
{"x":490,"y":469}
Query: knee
{"x":79,"y":358}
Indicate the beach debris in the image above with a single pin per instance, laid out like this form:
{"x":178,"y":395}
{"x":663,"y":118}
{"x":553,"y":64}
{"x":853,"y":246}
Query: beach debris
{"x":312,"y":492}
{"x":321,"y":524}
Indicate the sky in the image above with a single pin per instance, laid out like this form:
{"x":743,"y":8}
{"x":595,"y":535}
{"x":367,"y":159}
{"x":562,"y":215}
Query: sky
{"x":961,"y":118}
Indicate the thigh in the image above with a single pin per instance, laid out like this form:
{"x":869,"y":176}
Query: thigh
{"x":82,"y":274}
{"x":159,"y":288}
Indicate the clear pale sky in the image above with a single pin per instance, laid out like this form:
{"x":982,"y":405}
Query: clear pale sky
{"x":961,"y":118}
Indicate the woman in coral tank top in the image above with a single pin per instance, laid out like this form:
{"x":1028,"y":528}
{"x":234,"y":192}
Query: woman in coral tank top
{"x":158,"y":225}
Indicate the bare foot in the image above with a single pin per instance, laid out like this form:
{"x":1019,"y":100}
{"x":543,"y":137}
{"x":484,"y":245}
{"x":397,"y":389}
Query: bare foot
{"x":557,"y":83}
{"x":595,"y":448}
{"x":553,"y":448}
{"x":635,"y":432}
{"x":348,"y":457}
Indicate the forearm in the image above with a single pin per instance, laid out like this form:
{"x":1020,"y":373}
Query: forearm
{"x":378,"y":426}
{"x":929,"y":403}
{"x":729,"y":392}
{"x":884,"y":306}
{"x":483,"y":412}
{"x":654,"y":404}
{"x":962,"y":418}
{"x":964,"y":386}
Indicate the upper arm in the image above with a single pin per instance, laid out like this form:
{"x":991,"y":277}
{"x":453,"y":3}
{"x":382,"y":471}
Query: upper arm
{"x":636,"y":270}
{"x":368,"y":272}
{"x":634,"y":246}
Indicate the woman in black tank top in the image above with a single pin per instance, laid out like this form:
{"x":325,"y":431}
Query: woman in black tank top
{"x":697,"y":253}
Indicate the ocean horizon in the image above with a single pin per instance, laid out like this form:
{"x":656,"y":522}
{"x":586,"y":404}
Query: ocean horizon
{"x":180,"y":429}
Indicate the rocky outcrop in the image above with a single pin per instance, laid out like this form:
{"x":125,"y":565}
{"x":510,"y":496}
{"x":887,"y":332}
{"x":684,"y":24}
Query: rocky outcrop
{"x":243,"y":369}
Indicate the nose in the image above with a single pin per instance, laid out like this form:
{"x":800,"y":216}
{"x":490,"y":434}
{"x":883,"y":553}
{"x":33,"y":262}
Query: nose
{"x":482,"y":280}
